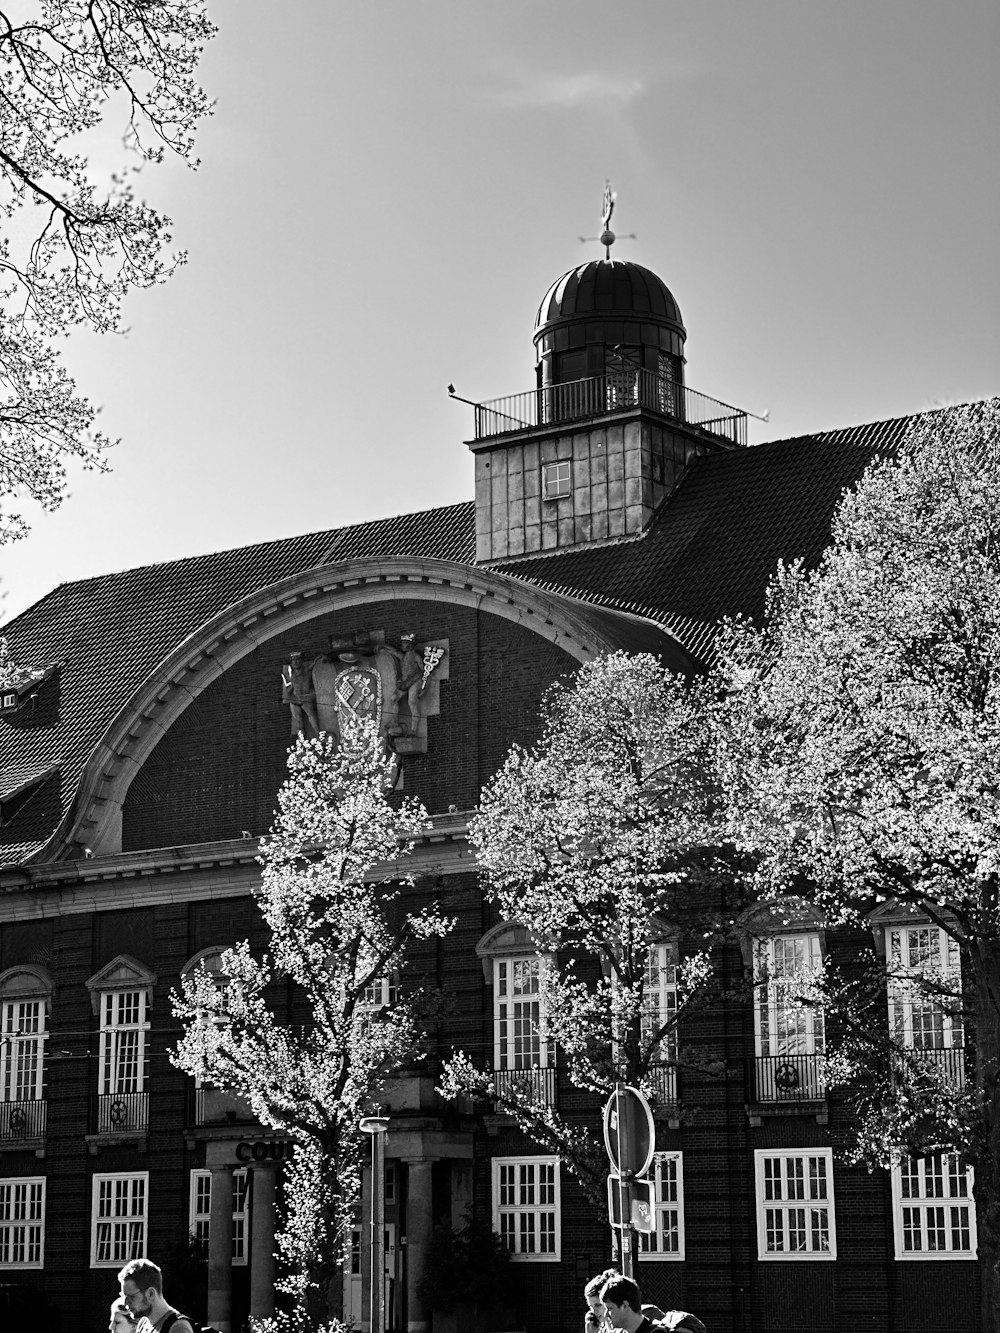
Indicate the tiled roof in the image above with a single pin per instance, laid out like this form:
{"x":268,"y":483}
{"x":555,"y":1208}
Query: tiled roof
{"x":708,"y":554}
{"x":112,"y":631}
{"x":713,"y":546}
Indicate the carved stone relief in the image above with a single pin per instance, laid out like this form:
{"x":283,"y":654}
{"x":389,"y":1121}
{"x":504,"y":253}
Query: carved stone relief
{"x":397,"y":688}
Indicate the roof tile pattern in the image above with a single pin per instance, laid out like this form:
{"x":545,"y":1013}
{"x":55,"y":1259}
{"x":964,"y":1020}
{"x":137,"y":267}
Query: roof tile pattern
{"x":708,"y":554}
{"x":111,"y":632}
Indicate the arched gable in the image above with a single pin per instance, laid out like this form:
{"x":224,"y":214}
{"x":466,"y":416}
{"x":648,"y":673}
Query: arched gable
{"x":94,"y":819}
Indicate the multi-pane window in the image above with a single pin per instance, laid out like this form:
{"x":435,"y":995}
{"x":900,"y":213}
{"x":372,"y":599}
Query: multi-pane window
{"x":666,"y":1241}
{"x":925,"y":972}
{"x":789,"y":1028}
{"x":795,"y":1214}
{"x":519,"y":1028}
{"x":201,"y":1210}
{"x":22,"y":1222}
{"x":557,"y":481}
{"x":526,"y":1206}
{"x":22,"y":1050}
{"x":123,"y":1042}
{"x":933,"y":1213}
{"x":659,"y":1001}
{"x":120,"y":1208}
{"x":381,"y":993}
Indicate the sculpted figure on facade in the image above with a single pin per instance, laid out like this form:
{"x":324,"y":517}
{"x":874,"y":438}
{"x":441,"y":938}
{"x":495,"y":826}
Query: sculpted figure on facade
{"x":299,"y":692}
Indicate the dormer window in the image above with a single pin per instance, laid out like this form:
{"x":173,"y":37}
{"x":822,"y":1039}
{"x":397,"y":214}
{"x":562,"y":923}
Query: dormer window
{"x":557,"y":480}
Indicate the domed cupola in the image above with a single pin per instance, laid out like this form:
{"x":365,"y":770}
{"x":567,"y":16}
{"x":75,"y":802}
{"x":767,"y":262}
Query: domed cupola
{"x":604,"y":316}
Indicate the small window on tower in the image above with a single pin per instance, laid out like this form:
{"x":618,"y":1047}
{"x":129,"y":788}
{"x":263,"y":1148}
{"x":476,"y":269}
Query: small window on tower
{"x":556,"y":480}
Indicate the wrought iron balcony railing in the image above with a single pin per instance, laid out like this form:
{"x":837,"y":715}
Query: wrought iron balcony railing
{"x":537,"y":1083}
{"x":22,"y":1120}
{"x":664,"y":1081}
{"x":121,"y":1113}
{"x":212,"y":1106}
{"x":945,"y":1063}
{"x":789,"y":1078}
{"x":620,"y":391}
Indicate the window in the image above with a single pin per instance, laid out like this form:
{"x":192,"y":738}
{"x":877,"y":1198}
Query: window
{"x":789,"y":1030}
{"x":22,"y":1222}
{"x":526,"y":1206}
{"x":522,"y":1054}
{"x":201,"y":1209}
{"x":795,"y":1216}
{"x":121,"y":995}
{"x":557,"y":480}
{"x":118,"y":1231}
{"x":122,"y":1069}
{"x":922,"y":960}
{"x":659,"y":1008}
{"x":667,"y":1240}
{"x":381,"y":994}
{"x":933,"y":1214}
{"x":24,"y":1011}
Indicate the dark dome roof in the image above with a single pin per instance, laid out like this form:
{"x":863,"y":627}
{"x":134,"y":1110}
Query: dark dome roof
{"x":608,"y":287}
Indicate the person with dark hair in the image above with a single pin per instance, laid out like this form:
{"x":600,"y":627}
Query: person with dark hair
{"x":142,"y":1294}
{"x":622,"y":1300}
{"x":595,"y":1318}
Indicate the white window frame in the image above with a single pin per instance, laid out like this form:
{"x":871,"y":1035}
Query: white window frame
{"x":667,"y":1174}
{"x":132,"y":1222}
{"x":916,"y":1200}
{"x":22,"y":1221}
{"x":909,"y":1004}
{"x":786,"y":1188}
{"x":659,"y":1000}
{"x":526,"y":1199}
{"x":24,"y":1023}
{"x":520,"y":1040}
{"x":782,"y":1025}
{"x":201,"y":1216}
{"x":124,"y":1049}
{"x":557,"y":479}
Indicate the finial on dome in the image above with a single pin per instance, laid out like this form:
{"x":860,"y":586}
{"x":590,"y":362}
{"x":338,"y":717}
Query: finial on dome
{"x":607,"y":237}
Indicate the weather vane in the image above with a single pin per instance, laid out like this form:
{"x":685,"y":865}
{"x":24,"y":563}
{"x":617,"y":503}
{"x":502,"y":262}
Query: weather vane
{"x":607,"y":237}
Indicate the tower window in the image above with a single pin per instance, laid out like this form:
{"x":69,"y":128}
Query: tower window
{"x":557,"y":480}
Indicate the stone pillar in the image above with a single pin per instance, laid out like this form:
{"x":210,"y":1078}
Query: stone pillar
{"x":419,"y":1225}
{"x":220,"y":1250}
{"x":262,"y":1241}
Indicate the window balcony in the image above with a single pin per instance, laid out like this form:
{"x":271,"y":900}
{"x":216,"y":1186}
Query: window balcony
{"x":213,"y":1106}
{"x":537,"y":1083}
{"x":663,"y":1079}
{"x":22,"y":1123}
{"x":789,"y":1079}
{"x":944,"y":1064}
{"x":121,"y":1114}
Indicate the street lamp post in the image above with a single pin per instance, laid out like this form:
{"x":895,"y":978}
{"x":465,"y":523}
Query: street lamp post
{"x":376,"y":1126}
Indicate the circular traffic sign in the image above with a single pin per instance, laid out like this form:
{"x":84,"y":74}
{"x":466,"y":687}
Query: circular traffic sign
{"x":629,"y":1135}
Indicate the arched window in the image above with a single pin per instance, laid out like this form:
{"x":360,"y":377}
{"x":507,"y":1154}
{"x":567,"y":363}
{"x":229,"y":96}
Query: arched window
{"x":25,"y":1000}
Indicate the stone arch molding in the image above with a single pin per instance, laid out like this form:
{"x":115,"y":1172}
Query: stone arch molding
{"x":95,"y":817}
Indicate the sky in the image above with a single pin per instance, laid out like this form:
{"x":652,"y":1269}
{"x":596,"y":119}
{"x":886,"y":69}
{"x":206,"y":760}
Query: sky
{"x":388,"y":189}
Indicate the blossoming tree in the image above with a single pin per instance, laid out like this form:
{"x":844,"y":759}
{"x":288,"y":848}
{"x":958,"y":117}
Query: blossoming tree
{"x":74,"y":246}
{"x":589,"y":842}
{"x":860,"y":753}
{"x":341,"y":912}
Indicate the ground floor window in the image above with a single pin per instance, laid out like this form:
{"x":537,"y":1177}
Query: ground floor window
{"x":119,"y":1213}
{"x":795,"y":1211}
{"x":933,"y":1214}
{"x":201,"y":1210}
{"x":22,"y":1222}
{"x":666,"y":1241}
{"x":526,"y":1206}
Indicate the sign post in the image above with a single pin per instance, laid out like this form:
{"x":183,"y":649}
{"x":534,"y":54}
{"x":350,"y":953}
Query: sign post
{"x":630,"y":1138}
